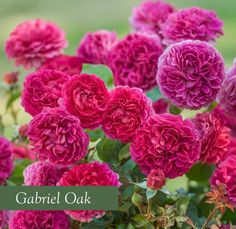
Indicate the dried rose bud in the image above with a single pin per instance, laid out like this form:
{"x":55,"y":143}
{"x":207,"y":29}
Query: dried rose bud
{"x":11,"y":77}
{"x":155,"y":179}
{"x":23,"y":130}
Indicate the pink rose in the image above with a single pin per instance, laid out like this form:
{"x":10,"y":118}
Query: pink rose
{"x":126,"y":111}
{"x":57,"y":136}
{"x":90,"y":174}
{"x":42,"y":89}
{"x":86,"y":96}
{"x":33,"y":41}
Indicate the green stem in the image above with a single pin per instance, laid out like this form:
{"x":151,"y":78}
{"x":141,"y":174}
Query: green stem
{"x":209,"y":218}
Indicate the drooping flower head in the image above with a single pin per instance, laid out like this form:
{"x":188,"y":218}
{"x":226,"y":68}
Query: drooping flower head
{"x":190,"y":74}
{"x":86,"y":96}
{"x":192,"y":23}
{"x":225,"y":174}
{"x":39,"y":219}
{"x":43,"y":173}
{"x":168,"y":143}
{"x":160,"y":106}
{"x":42,"y":89}
{"x":23,"y":130}
{"x":90,"y":174}
{"x":94,"y":47}
{"x":125,"y":112}
{"x":33,"y":41}
{"x":214,"y":138}
{"x":155,"y":179}
{"x":227,"y":95}
{"x":149,"y":15}
{"x":70,"y":65}
{"x":6,"y":163}
{"x":133,"y":60}
{"x":57,"y":136}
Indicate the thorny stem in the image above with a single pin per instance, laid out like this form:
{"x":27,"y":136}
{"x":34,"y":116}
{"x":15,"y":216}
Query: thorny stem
{"x":14,"y":115}
{"x":149,"y":210}
{"x":209,"y":218}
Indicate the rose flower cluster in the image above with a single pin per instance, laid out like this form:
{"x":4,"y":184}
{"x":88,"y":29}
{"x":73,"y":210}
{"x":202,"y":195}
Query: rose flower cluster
{"x":170,"y":50}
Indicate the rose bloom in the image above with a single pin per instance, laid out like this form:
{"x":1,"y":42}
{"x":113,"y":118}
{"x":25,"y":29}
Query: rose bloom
{"x":3,"y":219}
{"x":57,"y":136}
{"x":11,"y":77}
{"x":190,"y":74}
{"x":23,"y":151}
{"x":149,"y":15}
{"x":90,"y":174}
{"x":166,"y":141}
{"x":160,"y":106}
{"x":70,"y":65}
{"x":86,"y":96}
{"x":94,"y":47}
{"x":33,"y":41}
{"x":214,"y":138}
{"x":227,"y":95}
{"x":39,"y":219}
{"x":133,"y":60}
{"x":125,"y":112}
{"x":192,"y":23}
{"x":42,"y":89}
{"x":6,"y":163}
{"x":225,"y":174}
{"x":43,"y":173}
{"x":155,"y":179}
{"x":226,"y":119}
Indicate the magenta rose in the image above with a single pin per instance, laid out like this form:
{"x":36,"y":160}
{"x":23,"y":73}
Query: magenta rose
{"x":227,"y":96}
{"x":70,"y":65}
{"x":86,"y":96}
{"x":43,"y":173}
{"x":42,"y":89}
{"x":94,"y":47}
{"x":39,"y":219}
{"x":133,"y":60}
{"x":214,"y":138}
{"x":192,"y":23}
{"x":190,"y":74}
{"x":23,"y":151}
{"x":6,"y":162}
{"x":126,"y":111}
{"x":90,"y":174}
{"x":149,"y":15}
{"x":4,"y":217}
{"x":166,"y":141}
{"x":57,"y":136}
{"x":225,"y":174}
{"x":33,"y":41}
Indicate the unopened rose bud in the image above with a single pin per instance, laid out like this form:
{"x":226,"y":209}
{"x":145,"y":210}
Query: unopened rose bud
{"x":155,"y":179}
{"x":23,"y":130}
{"x":11,"y":77}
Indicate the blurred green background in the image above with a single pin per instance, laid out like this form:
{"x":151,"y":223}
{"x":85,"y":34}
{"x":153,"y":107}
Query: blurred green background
{"x":77,"y":17}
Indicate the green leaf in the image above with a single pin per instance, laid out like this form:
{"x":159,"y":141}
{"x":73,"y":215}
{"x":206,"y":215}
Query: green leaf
{"x":13,"y":97}
{"x":174,"y":109}
{"x":141,"y":184}
{"x":108,"y":150}
{"x":125,"y":207}
{"x":154,"y":94}
{"x":124,"y":153}
{"x":95,"y":134}
{"x":100,"y":70}
{"x":200,"y":172}
{"x":17,"y":175}
{"x":165,"y":190}
{"x":182,"y":204}
{"x":137,"y":199}
{"x":150,"y":193}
